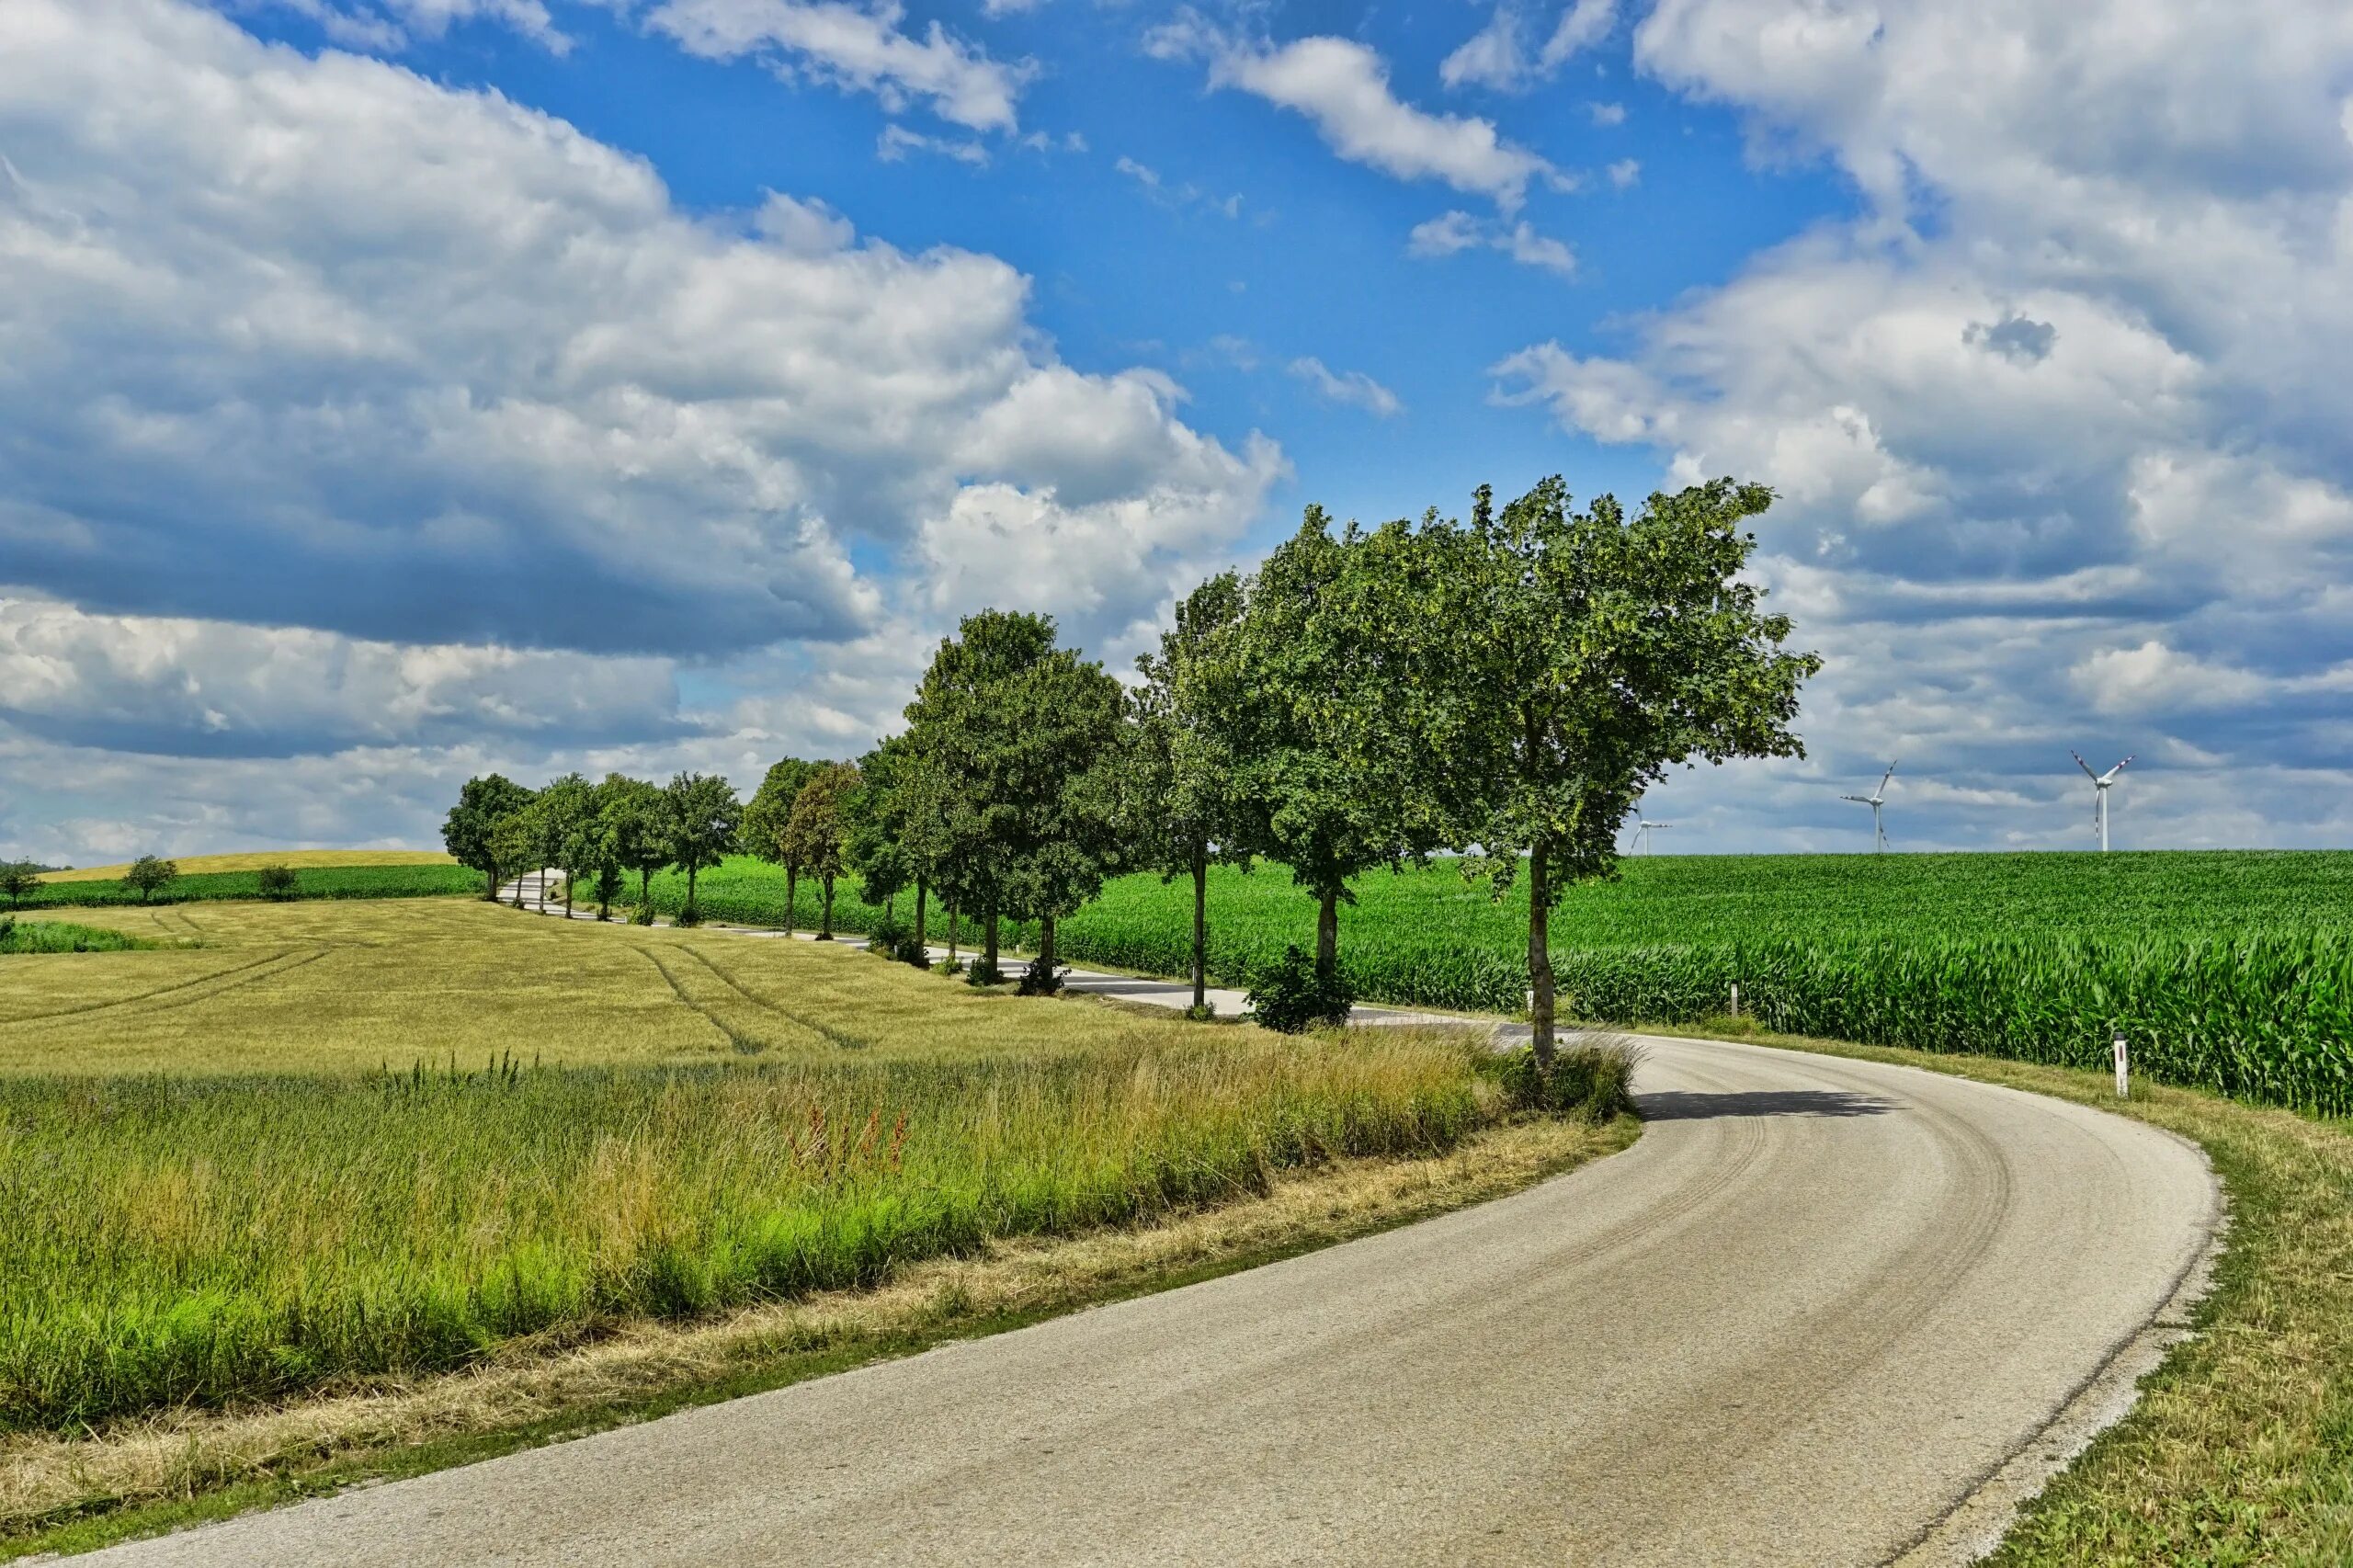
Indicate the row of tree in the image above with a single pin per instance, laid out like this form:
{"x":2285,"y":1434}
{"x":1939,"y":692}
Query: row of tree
{"x":1505,"y":687}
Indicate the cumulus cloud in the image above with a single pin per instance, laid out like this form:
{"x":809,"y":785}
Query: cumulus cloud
{"x":1353,"y":387}
{"x":1342,"y":87}
{"x":863,"y":48}
{"x":395,"y":24}
{"x":195,"y":688}
{"x":390,"y":432}
{"x":2070,"y":461}
{"x":457,"y":373}
{"x":896,"y":142}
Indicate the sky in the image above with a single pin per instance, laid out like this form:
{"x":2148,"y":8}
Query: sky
{"x":393,"y":391}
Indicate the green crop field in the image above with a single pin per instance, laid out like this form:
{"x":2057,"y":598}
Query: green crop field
{"x":425,"y":878}
{"x":339,"y":1141}
{"x":2232,"y":971}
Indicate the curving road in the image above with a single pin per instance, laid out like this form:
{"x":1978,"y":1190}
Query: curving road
{"x":1799,"y":1323}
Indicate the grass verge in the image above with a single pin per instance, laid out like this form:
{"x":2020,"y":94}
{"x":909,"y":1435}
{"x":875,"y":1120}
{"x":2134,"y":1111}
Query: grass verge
{"x":2240,"y":1448}
{"x":73,"y":1493}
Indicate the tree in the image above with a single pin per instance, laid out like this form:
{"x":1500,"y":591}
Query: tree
{"x":18,"y":880}
{"x":276,"y":883}
{"x":631,"y":814}
{"x":568,"y":830}
{"x":1569,"y":659}
{"x":149,"y":873}
{"x":766,"y":817}
{"x":815,"y":835}
{"x":516,"y":841}
{"x":701,"y":815}
{"x":1022,"y":737}
{"x":1325,"y":778}
{"x":483,"y":803}
{"x":1177,"y":805}
{"x":896,"y":825}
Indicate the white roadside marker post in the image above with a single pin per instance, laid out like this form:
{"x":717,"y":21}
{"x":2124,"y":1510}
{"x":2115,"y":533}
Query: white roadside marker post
{"x":2123,"y":1069}
{"x":1735,"y":998}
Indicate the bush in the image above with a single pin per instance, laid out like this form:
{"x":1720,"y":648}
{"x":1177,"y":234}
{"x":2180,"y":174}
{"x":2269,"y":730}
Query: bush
{"x":1043,"y":980}
{"x":641,"y":915}
{"x":689,"y":915}
{"x":1593,"y":1079}
{"x":907,"y":949}
{"x":950,"y":966}
{"x":1289,"y":995}
{"x":278,"y":883}
{"x":1204,"y":1013}
{"x":981,"y":971}
{"x":884,"y":935}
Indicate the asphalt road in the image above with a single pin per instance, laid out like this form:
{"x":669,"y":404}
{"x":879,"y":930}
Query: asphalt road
{"x":1799,"y":1323}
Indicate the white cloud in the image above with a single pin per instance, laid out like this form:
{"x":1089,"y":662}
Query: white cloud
{"x":896,"y":142}
{"x":1451,"y":233}
{"x":860,"y":47}
{"x":394,"y":24}
{"x":1178,"y":195}
{"x":1342,"y":86}
{"x":1606,"y":115}
{"x":178,"y":685}
{"x":1353,"y":387}
{"x":458,"y":373}
{"x":1625,"y":173}
{"x":2068,"y":464}
{"x":1494,"y":56}
{"x":399,"y":431}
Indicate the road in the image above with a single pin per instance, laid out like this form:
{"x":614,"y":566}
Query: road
{"x":1799,"y":1323}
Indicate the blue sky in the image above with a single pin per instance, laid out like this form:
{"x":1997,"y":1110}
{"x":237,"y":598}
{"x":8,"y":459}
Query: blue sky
{"x":392,"y":389}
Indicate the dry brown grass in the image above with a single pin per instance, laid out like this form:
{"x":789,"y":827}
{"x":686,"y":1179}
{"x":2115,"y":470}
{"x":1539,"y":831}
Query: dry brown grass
{"x":293,"y":860}
{"x":119,"y":1470}
{"x":343,"y":985}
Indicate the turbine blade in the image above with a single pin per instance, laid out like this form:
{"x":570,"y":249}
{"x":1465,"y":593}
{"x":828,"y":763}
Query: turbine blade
{"x":1885,"y":777}
{"x":2084,"y":766}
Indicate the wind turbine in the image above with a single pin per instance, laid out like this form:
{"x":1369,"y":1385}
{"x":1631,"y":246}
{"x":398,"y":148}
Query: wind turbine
{"x":2101,"y":784}
{"x":1643,"y":828}
{"x":1875,"y":799}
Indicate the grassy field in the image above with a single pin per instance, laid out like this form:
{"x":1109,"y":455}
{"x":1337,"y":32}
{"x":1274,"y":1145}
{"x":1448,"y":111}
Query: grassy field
{"x":341,"y":1142}
{"x":2233,"y":971}
{"x":411,"y":878}
{"x":293,"y":860}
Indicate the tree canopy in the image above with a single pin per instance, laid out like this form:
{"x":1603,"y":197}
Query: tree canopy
{"x":699,"y":816}
{"x":469,"y":831}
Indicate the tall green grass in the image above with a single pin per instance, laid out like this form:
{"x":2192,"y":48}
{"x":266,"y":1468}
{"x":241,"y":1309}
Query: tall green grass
{"x":174,"y":1240}
{"x":310,"y":881}
{"x":58,"y":937}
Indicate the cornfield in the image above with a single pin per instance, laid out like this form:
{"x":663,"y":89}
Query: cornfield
{"x":2227,"y":970}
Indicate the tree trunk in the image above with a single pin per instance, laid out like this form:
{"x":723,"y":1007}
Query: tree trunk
{"x":792,"y":898}
{"x":1327,"y":937}
{"x":489,"y":894}
{"x":1540,"y":956}
{"x":1045,"y":946}
{"x":951,"y":930}
{"x":690,"y":890}
{"x":645,"y":890}
{"x":1200,"y":927}
{"x":567,"y":896}
{"x":825,"y":919}
{"x":922,"y":892}
{"x":988,"y":935}
{"x":518,"y":890}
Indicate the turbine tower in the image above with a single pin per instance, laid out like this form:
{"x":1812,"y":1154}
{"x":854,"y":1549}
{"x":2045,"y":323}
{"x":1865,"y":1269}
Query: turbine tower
{"x":2101,"y":784}
{"x":1643,"y":828}
{"x":1875,"y":799}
